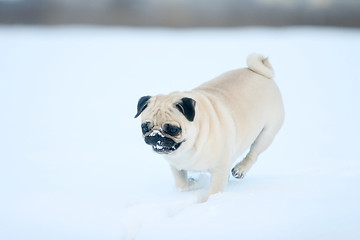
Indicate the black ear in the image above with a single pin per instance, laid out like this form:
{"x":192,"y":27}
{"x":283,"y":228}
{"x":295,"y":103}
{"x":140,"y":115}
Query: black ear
{"x":142,"y":104}
{"x":187,"y":107}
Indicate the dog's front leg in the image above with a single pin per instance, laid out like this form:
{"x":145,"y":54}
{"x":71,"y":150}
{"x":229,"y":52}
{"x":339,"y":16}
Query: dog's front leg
{"x":181,"y":179}
{"x":219,"y":179}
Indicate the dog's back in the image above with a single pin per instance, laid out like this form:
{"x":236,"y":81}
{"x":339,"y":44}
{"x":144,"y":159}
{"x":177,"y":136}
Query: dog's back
{"x":251,"y":97}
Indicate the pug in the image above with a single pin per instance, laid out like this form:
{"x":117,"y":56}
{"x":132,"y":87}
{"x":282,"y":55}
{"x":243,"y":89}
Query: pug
{"x":208,"y":128}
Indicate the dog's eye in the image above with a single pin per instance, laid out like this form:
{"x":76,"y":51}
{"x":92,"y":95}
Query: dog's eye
{"x":145,"y":128}
{"x":172,"y":130}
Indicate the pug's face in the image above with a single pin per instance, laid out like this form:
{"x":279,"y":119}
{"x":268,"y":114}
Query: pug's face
{"x":166,"y":121}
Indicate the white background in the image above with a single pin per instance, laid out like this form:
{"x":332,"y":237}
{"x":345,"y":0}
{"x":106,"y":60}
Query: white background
{"x":73,"y":164}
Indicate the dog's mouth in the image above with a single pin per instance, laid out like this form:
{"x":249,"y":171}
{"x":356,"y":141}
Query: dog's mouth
{"x":162,"y":149}
{"x":161,"y":144}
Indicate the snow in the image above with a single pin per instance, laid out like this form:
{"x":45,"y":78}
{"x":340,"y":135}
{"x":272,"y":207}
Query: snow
{"x":73,"y":164}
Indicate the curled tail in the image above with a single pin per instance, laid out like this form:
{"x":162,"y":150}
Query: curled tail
{"x":260,"y":65}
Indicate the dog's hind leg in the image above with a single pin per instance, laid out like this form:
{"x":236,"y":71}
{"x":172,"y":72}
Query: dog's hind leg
{"x":261,"y":143}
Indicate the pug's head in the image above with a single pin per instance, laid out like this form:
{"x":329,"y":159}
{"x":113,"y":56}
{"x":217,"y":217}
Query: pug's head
{"x":167,"y":122}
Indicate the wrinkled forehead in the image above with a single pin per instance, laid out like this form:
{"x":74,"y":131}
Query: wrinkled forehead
{"x":160,"y":110}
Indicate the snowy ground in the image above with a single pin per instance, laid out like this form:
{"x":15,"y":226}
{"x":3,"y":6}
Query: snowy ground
{"x":73,"y":164}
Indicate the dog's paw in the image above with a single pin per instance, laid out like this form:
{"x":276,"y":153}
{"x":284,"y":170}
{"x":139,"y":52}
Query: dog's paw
{"x":190,"y":185}
{"x":196,"y":183}
{"x":237,"y":174}
{"x":239,"y":171}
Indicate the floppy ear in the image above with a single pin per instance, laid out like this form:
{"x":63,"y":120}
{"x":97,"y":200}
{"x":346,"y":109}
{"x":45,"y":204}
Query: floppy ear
{"x":142,"y":104}
{"x":187,"y":107}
